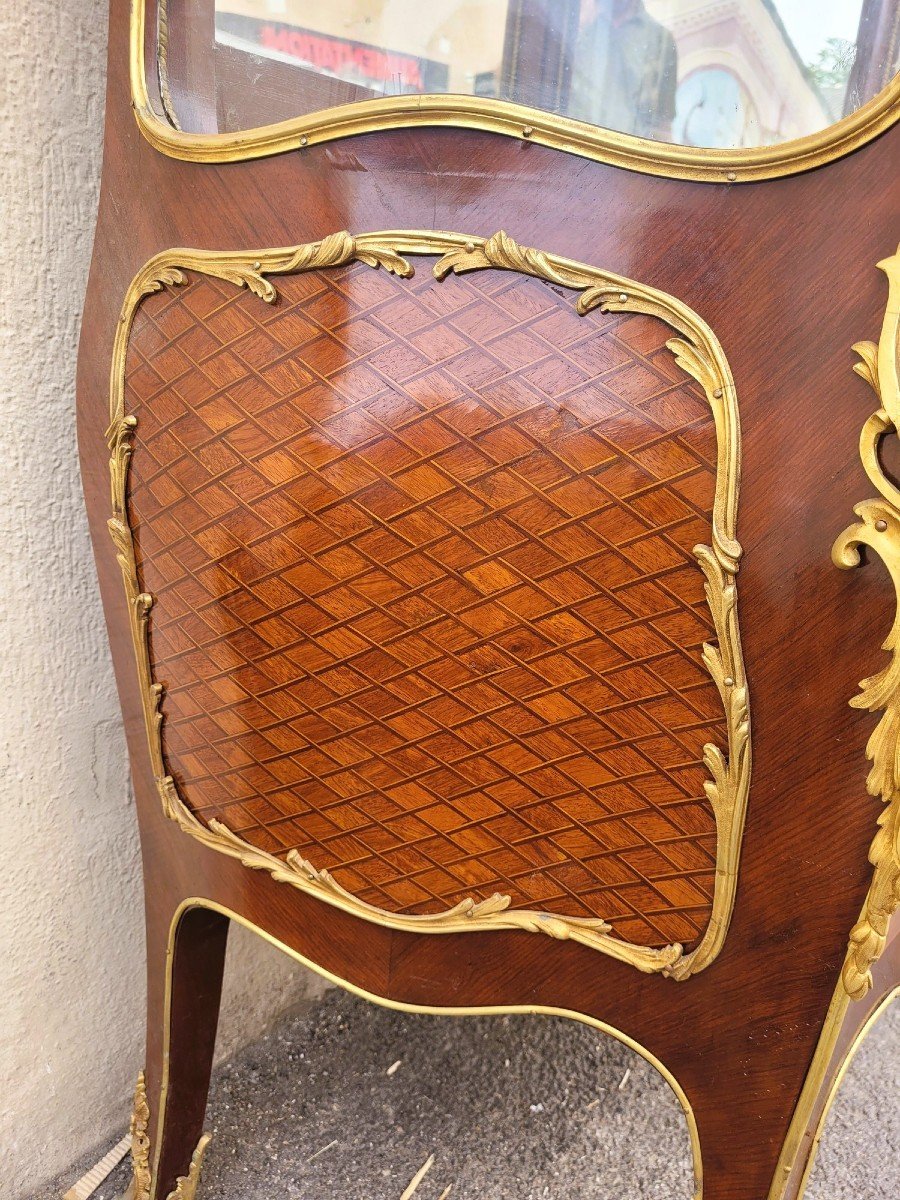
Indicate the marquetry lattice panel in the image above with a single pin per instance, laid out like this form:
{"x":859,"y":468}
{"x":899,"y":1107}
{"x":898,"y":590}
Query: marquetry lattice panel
{"x":425,"y":604}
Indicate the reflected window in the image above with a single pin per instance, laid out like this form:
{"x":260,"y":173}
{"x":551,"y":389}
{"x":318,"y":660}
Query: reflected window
{"x":712,"y":109}
{"x":694,"y":72}
{"x":624,"y":70}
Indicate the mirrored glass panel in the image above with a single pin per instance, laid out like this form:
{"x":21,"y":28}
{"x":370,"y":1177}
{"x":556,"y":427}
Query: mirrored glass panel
{"x":710,"y":73}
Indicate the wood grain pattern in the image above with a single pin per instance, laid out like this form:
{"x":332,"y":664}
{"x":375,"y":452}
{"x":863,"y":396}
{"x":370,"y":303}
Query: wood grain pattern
{"x":426,"y":608}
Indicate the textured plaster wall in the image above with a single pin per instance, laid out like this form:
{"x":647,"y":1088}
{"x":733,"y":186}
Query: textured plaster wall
{"x":71,"y":939}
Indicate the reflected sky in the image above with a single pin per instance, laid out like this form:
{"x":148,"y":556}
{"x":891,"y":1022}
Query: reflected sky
{"x":812,"y":22}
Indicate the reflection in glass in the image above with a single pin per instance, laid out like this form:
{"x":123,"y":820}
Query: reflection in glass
{"x":712,"y":109}
{"x":695,"y":72}
{"x":624,"y":70}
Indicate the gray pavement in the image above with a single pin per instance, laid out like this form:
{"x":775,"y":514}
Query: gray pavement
{"x":512,"y":1108}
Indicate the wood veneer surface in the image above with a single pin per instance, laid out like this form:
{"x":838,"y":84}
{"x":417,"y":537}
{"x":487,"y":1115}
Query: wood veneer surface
{"x":426,"y":608}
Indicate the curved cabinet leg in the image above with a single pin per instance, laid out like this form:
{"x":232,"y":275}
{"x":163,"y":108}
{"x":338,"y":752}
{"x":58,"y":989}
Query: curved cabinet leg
{"x":737,"y":1116}
{"x":742,"y":1100}
{"x":848,"y":1023}
{"x":185,"y":964}
{"x":758,"y":1127}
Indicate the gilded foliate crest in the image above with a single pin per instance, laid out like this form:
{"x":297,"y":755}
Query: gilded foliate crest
{"x":878,"y":528}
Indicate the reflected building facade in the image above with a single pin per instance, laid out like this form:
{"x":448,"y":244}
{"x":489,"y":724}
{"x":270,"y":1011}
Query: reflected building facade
{"x":716,"y":73}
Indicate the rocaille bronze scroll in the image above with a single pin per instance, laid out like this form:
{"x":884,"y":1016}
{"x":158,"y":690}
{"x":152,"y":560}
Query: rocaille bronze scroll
{"x":879,"y":528}
{"x":141,"y":1170}
{"x":696,"y":351}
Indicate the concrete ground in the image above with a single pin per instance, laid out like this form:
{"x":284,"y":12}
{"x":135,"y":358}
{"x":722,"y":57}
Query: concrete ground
{"x":345,"y":1101}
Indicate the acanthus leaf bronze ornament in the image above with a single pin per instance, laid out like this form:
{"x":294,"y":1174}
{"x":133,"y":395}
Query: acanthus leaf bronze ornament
{"x":186,"y":1185}
{"x":140,"y":1143}
{"x":695,"y":350}
{"x":142,"y":1175}
{"x":879,"y":529}
{"x":162,"y":69}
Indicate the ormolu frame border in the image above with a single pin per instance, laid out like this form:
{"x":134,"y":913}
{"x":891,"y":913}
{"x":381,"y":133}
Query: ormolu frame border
{"x":699,"y":354}
{"x":513,"y":120}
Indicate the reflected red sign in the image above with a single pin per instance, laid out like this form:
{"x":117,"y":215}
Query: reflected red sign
{"x":370,"y":66}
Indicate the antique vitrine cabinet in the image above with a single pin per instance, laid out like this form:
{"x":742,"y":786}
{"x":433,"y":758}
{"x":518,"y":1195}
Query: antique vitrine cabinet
{"x":478,"y":599}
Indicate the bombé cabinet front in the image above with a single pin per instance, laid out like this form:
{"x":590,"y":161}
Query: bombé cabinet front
{"x":476,"y":465}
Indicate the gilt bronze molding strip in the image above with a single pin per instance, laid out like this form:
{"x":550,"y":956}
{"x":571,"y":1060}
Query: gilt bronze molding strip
{"x":701,"y":165}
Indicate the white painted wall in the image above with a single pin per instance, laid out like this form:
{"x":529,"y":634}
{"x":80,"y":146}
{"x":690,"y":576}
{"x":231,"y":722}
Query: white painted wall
{"x":71,"y":937}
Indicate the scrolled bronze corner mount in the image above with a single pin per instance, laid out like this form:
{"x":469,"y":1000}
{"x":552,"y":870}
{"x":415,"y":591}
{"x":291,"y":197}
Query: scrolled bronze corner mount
{"x":878,"y":528}
{"x":141,"y":1187}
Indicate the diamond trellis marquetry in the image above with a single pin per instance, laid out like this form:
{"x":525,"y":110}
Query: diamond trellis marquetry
{"x":425,"y":603}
